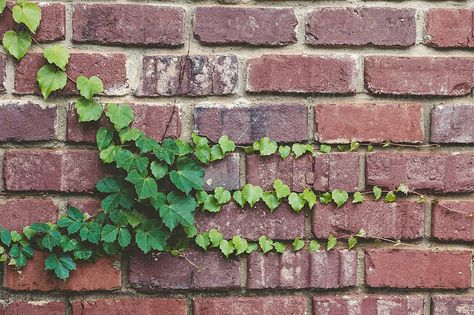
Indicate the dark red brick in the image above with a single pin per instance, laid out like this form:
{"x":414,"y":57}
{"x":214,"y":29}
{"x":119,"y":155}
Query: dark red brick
{"x":251,"y":223}
{"x":27,"y":122}
{"x":302,"y":74}
{"x":443,"y":76}
{"x":449,"y":27}
{"x":369,"y":122}
{"x":34,"y":308}
{"x":452,"y":225}
{"x":16,"y":213}
{"x":151,"y":119}
{"x":130,"y":24}
{"x":244,"y":125}
{"x":426,"y":269}
{"x":188,"y":75}
{"x":443,"y":172}
{"x":51,"y":28}
{"x":265,"y":305}
{"x":52,"y":170}
{"x":135,"y":305}
{"x":368,"y":304}
{"x":254,"y":26}
{"x":200,"y":270}
{"x":223,"y":173}
{"x":377,"y":26}
{"x":336,"y":171}
{"x":302,"y":269}
{"x":399,"y":220}
{"x":111,"y":68}
{"x":452,"y":305}
{"x":103,"y":274}
{"x":452,"y":124}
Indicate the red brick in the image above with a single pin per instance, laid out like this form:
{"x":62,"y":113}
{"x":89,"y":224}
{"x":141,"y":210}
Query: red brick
{"x":452,"y":305}
{"x":137,"y":305}
{"x":443,"y":172}
{"x":377,"y":26}
{"x":302,"y":74}
{"x":449,"y":27}
{"x":223,"y":173}
{"x":87,"y":204}
{"x":443,"y":76}
{"x":34,"y":308}
{"x":51,"y":28}
{"x":52,"y":170}
{"x":268,"y":305}
{"x":3,"y":71}
{"x":200,"y":270}
{"x":426,"y":269}
{"x":302,"y":270}
{"x":103,"y":274}
{"x":244,"y":125}
{"x":369,"y":122}
{"x":16,"y":213}
{"x":2,"y":185}
{"x":368,"y":304}
{"x":197,"y":75}
{"x":254,"y":26}
{"x":336,"y":171}
{"x":399,"y":220}
{"x":27,"y":122}
{"x":452,"y":124}
{"x":111,"y":68}
{"x":251,"y":223}
{"x":151,"y":119}
{"x":450,"y":225}
{"x":129,"y":24}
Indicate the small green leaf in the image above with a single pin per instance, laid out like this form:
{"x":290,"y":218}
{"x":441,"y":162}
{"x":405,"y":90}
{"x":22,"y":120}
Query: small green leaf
{"x":88,"y":110}
{"x":325,"y":148}
{"x":265,"y":244}
{"x":370,"y":148}
{"x":50,"y":79}
{"x":265,"y":146}
{"x":354,"y":145}
{"x":298,"y":244}
{"x":251,"y":248}
{"x":361,"y":233}
{"x":281,"y":189}
{"x":351,"y":242}
{"x":358,"y":197}
{"x":237,"y":196}
{"x":310,"y":197}
{"x":108,"y":154}
{"x":314,"y":246}
{"x":88,"y":87}
{"x":104,"y":138}
{"x":146,"y":144}
{"x":17,"y":44}
{"x":159,"y":170}
{"x":123,"y":237}
{"x":332,"y":241}
{"x":240,"y":244}
{"x":129,"y":134}
{"x":390,"y":197}
{"x":279,"y":247}
{"x":216,"y":153}
{"x":300,"y":149}
{"x":296,"y":201}
{"x":27,"y":13}
{"x":3,"y":4}
{"x":222,"y":195}
{"x":109,"y":233}
{"x":179,"y":209}
{"x":187,"y":176}
{"x":202,"y":240}
{"x":325,"y":198}
{"x":226,"y":248}
{"x":226,"y":144}
{"x":215,"y":237}
{"x":343,"y":147}
{"x":284,"y":151}
{"x":377,"y":192}
{"x":270,"y":200}
{"x":403,"y":189}
{"x":210,"y":204}
{"x":340,"y":197}
{"x":150,"y":236}
{"x":120,"y":115}
{"x":128,"y":160}
{"x":251,"y":194}
{"x":58,"y":55}
{"x":145,"y":186}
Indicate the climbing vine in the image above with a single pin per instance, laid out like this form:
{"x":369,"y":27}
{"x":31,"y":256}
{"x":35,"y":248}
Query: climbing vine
{"x":151,"y":200}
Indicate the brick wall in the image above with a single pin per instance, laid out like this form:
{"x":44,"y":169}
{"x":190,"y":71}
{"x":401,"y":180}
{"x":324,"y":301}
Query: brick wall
{"x":320,"y":71}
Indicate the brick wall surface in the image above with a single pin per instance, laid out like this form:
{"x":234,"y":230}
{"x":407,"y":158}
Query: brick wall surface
{"x":296,"y":71}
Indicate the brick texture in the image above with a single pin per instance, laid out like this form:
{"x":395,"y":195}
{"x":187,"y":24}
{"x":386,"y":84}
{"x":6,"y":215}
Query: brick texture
{"x":452,"y":124}
{"x":19,"y":212}
{"x":434,"y":269}
{"x":450,"y":225}
{"x":449,"y":27}
{"x":34,"y":308}
{"x":452,"y":305}
{"x":361,"y":26}
{"x":223,"y":173}
{"x":3,"y":72}
{"x":137,"y":305}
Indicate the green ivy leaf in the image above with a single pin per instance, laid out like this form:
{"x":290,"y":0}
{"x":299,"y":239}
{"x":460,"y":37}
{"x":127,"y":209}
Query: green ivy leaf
{"x":50,"y":79}
{"x":159,"y":170}
{"x":300,"y":149}
{"x":377,"y":192}
{"x":314,"y":246}
{"x":146,"y":144}
{"x":3,"y":4}
{"x":265,"y":244}
{"x":124,"y":237}
{"x":91,"y":232}
{"x":343,"y":147}
{"x":104,"y":138}
{"x":108,"y":154}
{"x":281,"y":189}
{"x":351,"y":242}
{"x":296,"y":201}
{"x":310,"y":197}
{"x":109,"y":233}
{"x":21,"y":254}
{"x":390,"y":197}
{"x":216,"y":153}
{"x":279,"y":247}
{"x":284,"y":151}
{"x":361,"y":233}
{"x":240,"y":244}
{"x":61,"y":265}
{"x":187,"y":176}
{"x":222,"y":195}
{"x":59,"y":56}
{"x":179,"y":209}
{"x":370,"y":148}
{"x":27,"y":13}
{"x":210,"y":204}
{"x":202,"y":240}
{"x":88,"y":110}
{"x":340,"y":197}
{"x":127,"y":160}
{"x":325,"y":148}
{"x":149,"y":236}
{"x":251,"y":248}
{"x":5,"y":237}
{"x":120,"y":115}
{"x":354,"y":146}
{"x":145,"y":186}
{"x":226,"y":248}
{"x":325,"y":198}
{"x":129,"y":134}
{"x":226,"y":144}
{"x":403,"y":189}
{"x":215,"y":237}
{"x":332,"y":241}
{"x":298,"y":244}
{"x":88,"y":87}
{"x":51,"y":239}
{"x":358,"y":197}
{"x":237,"y":196}
{"x":17,"y":44}
{"x":270,"y":200}
{"x":265,"y":146}
{"x":251,"y":194}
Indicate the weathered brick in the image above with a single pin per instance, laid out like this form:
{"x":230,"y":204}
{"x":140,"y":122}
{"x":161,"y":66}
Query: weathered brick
{"x":196,"y":75}
{"x":27,"y":122}
{"x":3,"y":71}
{"x":444,"y":76}
{"x":336,"y":171}
{"x":399,"y":220}
{"x":136,"y":305}
{"x":51,"y":28}
{"x":449,"y":27}
{"x":151,"y":119}
{"x":16,"y":213}
{"x":302,"y":269}
{"x":130,"y":24}
{"x":161,"y":271}
{"x":451,"y":225}
{"x":223,"y":173}
{"x":251,"y":223}
{"x":368,"y":304}
{"x":268,"y":305}
{"x":369,"y":122}
{"x":254,"y":26}
{"x":52,"y":170}
{"x":443,"y":172}
{"x":244,"y":125}
{"x":111,"y":68}
{"x":2,"y":185}
{"x":452,"y":305}
{"x":427,"y":269}
{"x":302,"y":74}
{"x":33,"y":308}
{"x":452,"y":124}
{"x":377,"y":26}
{"x":103,"y":274}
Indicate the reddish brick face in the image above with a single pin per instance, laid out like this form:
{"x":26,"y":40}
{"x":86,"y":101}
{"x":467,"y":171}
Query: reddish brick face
{"x":137,"y":305}
{"x":295,"y":305}
{"x":20,"y":212}
{"x":451,"y":304}
{"x":449,"y":27}
{"x":452,"y":124}
{"x":451,"y":225}
{"x":34,"y":307}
